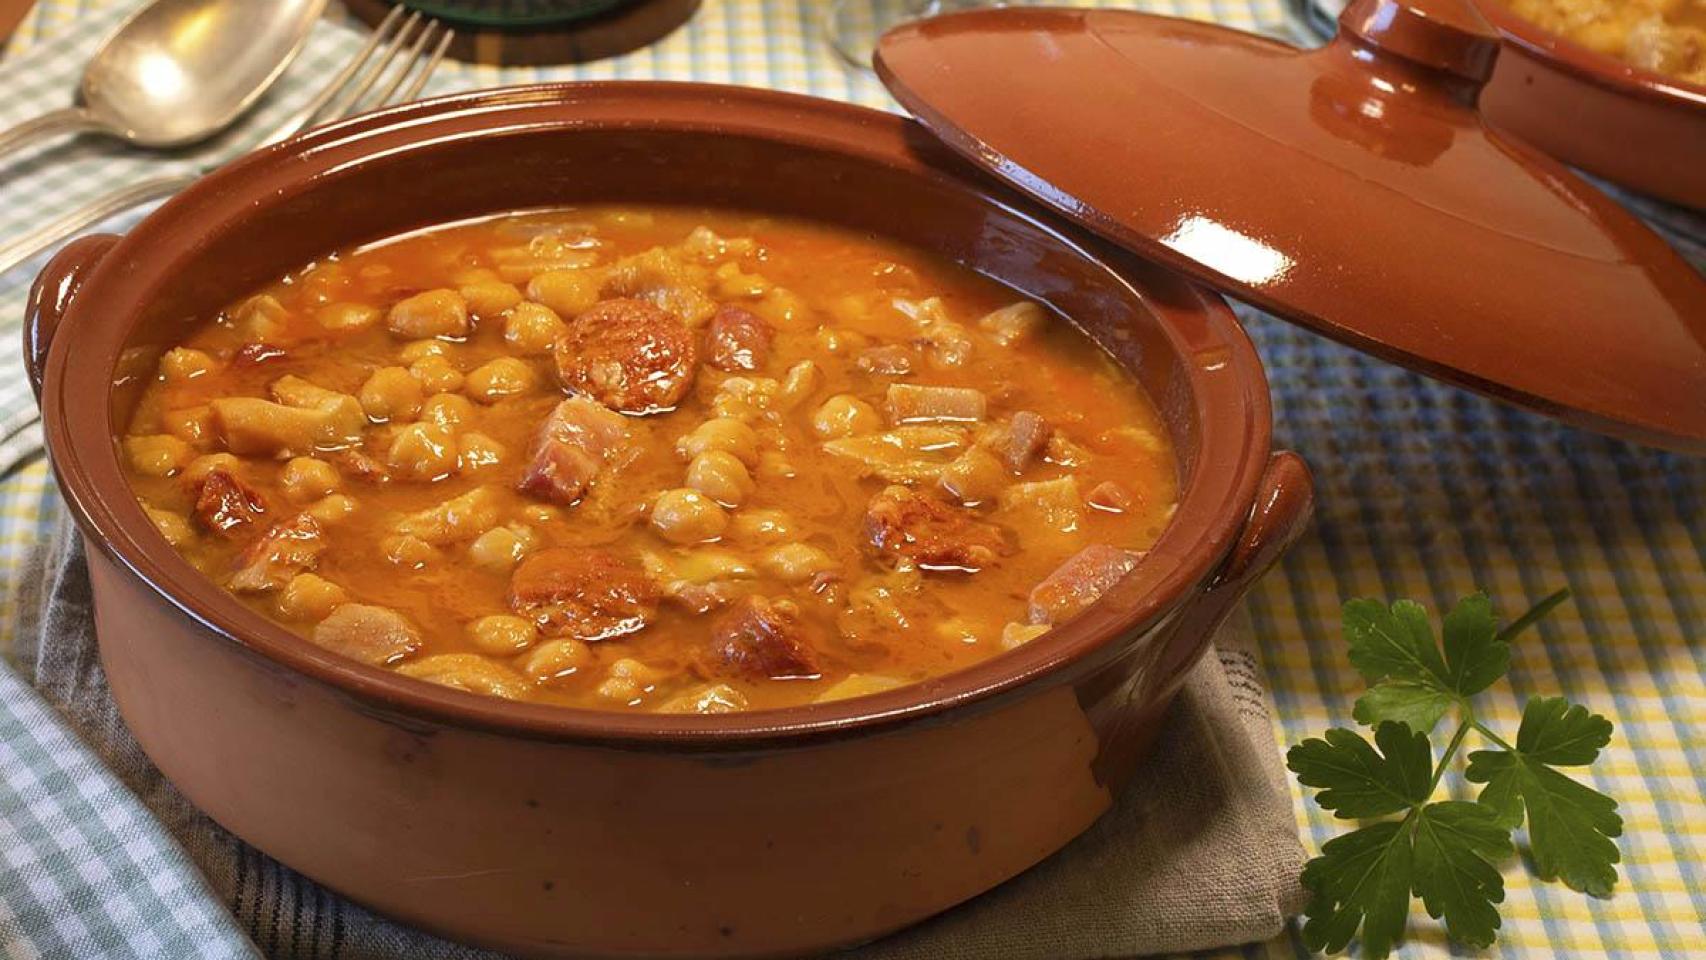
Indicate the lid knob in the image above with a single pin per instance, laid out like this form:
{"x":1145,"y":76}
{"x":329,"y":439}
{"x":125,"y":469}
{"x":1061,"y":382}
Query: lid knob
{"x":1449,"y":35}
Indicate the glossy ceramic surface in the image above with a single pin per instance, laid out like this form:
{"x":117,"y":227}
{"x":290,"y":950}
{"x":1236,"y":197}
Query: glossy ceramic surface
{"x":1353,"y":189}
{"x":551,"y":831}
{"x":1636,"y":127}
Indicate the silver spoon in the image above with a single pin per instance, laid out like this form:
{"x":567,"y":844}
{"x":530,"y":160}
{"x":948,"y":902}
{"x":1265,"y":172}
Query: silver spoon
{"x":179,"y":71}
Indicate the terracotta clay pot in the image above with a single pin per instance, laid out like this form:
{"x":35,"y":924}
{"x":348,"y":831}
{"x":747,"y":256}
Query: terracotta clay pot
{"x":1642,"y":129}
{"x":550,"y":831}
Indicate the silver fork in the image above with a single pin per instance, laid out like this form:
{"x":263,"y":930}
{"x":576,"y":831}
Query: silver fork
{"x":349,"y":91}
{"x":420,"y":42}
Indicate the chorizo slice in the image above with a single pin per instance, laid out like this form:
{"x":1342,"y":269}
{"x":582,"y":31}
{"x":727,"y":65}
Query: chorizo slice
{"x":629,"y":355}
{"x":936,"y":535}
{"x":227,"y":506}
{"x":737,"y":339}
{"x":759,"y":639}
{"x":1080,"y":582}
{"x":586,"y":594}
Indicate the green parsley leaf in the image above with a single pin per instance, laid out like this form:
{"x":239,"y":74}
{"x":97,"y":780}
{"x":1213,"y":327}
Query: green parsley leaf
{"x":1443,"y":852}
{"x":1570,"y":825}
{"x":1413,"y":682}
{"x":1361,"y":879}
{"x":1458,"y":846}
{"x":1355,"y":781}
{"x":1417,"y":705}
{"x":1395,"y":641}
{"x":1475,"y":656}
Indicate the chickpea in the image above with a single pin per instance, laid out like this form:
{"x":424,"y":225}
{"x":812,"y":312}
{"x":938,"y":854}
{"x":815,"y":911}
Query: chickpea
{"x":488,"y":298}
{"x":761,"y":526}
{"x":687,"y":516}
{"x":500,"y":548}
{"x":500,"y":379}
{"x":721,"y":476}
{"x":436,"y":374}
{"x":201,"y":466}
{"x":391,"y":393}
{"x":532,"y":328}
{"x":157,"y":455}
{"x":423,"y":451}
{"x":478,"y":451}
{"x":447,"y":411}
{"x":421,"y":349}
{"x":408,"y":551}
{"x":306,"y":479}
{"x":343,"y":317}
{"x":501,"y":634}
{"x":329,"y":510}
{"x":541,"y":513}
{"x":1018,"y":634}
{"x":173,"y":527}
{"x":627,"y":680}
{"x":308,"y":597}
{"x":721,"y":433}
{"x":568,"y":292}
{"x":192,"y":425}
{"x":845,"y":415}
{"x":435,"y":313}
{"x":795,"y":562}
{"x":182,"y":364}
{"x":799,"y":383}
{"x":557,"y":658}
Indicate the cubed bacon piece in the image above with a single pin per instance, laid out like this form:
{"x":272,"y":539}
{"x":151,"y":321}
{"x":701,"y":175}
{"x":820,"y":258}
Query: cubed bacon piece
{"x":1079,"y":582}
{"x":1110,"y":496}
{"x":758,"y":639}
{"x":629,"y":355}
{"x":912,"y":403}
{"x":285,"y":550}
{"x":586,"y":594}
{"x":934,"y":534}
{"x":574,"y":445}
{"x":1025,"y":439}
{"x":226,"y":505}
{"x":737,"y":339}
{"x":372,"y":635}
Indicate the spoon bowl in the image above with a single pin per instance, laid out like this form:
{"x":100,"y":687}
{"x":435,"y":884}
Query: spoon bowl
{"x":179,"y":71}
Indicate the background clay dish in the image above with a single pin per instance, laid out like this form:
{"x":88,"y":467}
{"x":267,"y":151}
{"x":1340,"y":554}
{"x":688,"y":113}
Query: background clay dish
{"x":1636,"y":127}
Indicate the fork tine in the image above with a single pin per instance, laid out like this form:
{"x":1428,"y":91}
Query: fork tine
{"x":346,"y":104}
{"x":304,"y":118}
{"x":383,"y":97}
{"x":413,"y":91}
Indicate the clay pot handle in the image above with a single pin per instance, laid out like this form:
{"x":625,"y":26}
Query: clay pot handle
{"x":51,"y":296}
{"x":1284,"y":501}
{"x":1448,"y":35}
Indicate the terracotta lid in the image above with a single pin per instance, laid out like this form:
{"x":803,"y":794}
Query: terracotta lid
{"x":1352,"y":189}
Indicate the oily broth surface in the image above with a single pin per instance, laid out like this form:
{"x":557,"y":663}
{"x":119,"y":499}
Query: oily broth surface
{"x":829,"y":293}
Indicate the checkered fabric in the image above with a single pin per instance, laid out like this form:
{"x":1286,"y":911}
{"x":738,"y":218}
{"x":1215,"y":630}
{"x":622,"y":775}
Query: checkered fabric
{"x":1425,"y":491}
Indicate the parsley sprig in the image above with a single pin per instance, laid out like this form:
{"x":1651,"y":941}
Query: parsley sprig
{"x":1447,"y":852}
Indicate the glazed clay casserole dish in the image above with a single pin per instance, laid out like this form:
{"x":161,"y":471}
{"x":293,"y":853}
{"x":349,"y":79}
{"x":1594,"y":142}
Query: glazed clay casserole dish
{"x":546,"y":830}
{"x":1638,"y":127}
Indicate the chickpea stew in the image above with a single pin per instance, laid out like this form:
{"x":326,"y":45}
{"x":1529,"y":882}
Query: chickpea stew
{"x":652,"y":458}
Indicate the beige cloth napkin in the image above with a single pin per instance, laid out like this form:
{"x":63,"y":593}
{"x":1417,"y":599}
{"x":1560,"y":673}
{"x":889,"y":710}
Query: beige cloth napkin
{"x":1201,"y":851}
